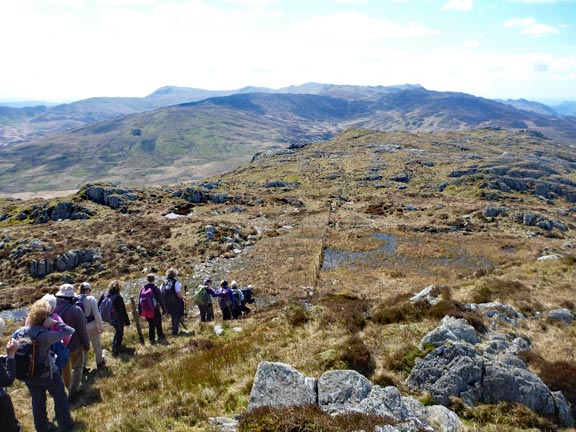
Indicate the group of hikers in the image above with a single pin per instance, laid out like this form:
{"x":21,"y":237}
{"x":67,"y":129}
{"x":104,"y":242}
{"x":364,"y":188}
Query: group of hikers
{"x":50,"y":353}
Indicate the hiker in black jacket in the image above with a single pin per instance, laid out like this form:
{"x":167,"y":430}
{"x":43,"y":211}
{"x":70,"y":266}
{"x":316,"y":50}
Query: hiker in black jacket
{"x":8,"y":421}
{"x":119,"y":317}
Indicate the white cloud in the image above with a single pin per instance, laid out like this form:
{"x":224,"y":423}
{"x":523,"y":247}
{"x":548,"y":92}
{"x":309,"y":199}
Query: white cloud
{"x":463,"y":5}
{"x":253,"y":3}
{"x":359,"y":2}
{"x":530,"y":27}
{"x":355,"y":27}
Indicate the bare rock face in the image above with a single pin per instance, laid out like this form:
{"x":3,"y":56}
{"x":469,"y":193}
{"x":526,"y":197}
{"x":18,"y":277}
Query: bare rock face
{"x":341,"y":392}
{"x":280,"y":385}
{"x":562,"y":314}
{"x":451,"y":329}
{"x":487,"y":371}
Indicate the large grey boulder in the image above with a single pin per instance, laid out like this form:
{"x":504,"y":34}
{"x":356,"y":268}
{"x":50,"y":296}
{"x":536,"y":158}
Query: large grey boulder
{"x":453,"y":369}
{"x":488,"y":372}
{"x":511,"y":383}
{"x":451,"y":329}
{"x":280,"y":385}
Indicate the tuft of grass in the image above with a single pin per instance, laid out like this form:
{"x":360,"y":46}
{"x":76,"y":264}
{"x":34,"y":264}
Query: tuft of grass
{"x":356,"y":355}
{"x":296,"y":314}
{"x":349,"y":311}
{"x":496,"y":289}
{"x":502,"y":414}
{"x":403,"y":360}
{"x":306,"y":419}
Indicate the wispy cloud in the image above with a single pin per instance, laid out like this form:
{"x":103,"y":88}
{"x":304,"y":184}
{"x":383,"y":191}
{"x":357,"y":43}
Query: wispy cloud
{"x":463,"y":5}
{"x":530,"y":27}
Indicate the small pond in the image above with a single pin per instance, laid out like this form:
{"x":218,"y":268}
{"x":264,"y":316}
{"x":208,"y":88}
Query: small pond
{"x":385,"y":256}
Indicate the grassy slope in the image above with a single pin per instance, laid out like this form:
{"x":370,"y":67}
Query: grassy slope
{"x":176,"y":387}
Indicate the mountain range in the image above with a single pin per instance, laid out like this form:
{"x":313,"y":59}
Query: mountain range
{"x":162,"y":139}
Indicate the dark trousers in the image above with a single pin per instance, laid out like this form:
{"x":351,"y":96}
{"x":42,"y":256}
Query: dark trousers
{"x":118,"y":336}
{"x":8,"y":421}
{"x":54,"y":386}
{"x":176,"y":312}
{"x":226,"y":312}
{"x":206,"y":312}
{"x":155,"y":326}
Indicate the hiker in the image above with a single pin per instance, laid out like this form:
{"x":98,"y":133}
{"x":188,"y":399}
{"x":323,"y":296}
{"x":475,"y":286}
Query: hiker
{"x":8,"y":420}
{"x":237,"y":300}
{"x":203,"y":299}
{"x":60,"y":348}
{"x":49,"y":379}
{"x":149,"y":303}
{"x":224,"y":294}
{"x":113,"y":310}
{"x":94,"y":324}
{"x":73,"y":315}
{"x":248,"y":297}
{"x":174,"y":298}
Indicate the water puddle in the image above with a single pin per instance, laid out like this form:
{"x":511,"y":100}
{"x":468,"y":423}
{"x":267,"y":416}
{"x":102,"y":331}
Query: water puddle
{"x":385,"y":256}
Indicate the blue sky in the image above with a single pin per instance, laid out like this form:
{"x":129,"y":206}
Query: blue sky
{"x":74,"y":49}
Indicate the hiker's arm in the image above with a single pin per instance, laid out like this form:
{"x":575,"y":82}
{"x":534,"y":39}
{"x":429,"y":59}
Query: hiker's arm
{"x":160,"y":300}
{"x":7,"y":370}
{"x":179,"y":293}
{"x":121,"y":308}
{"x":57,"y":335}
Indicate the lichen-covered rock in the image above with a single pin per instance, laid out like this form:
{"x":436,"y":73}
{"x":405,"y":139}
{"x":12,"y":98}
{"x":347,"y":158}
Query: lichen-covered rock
{"x":562,"y":314}
{"x":280,"y":385}
{"x":451,"y":329}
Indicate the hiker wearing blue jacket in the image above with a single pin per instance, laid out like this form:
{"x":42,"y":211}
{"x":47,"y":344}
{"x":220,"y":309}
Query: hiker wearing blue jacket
{"x":50,"y":379}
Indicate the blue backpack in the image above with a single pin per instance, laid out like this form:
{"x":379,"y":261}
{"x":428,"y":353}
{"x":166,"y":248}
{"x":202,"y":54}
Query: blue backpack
{"x":107,"y":308}
{"x":61,"y":354}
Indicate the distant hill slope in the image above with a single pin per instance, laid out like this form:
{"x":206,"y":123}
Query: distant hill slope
{"x":566,"y":108}
{"x":527,"y":105}
{"x":33,"y":122}
{"x":192,"y":140}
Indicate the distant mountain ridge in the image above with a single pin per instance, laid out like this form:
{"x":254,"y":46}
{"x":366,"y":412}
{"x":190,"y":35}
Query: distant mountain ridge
{"x":192,"y":140}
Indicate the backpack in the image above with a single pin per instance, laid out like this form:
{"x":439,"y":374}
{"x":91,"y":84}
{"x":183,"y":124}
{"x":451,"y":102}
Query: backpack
{"x":147,"y":301}
{"x":248,"y":295}
{"x":168,"y":292}
{"x":80,"y":303}
{"x":201,"y":296}
{"x":61,"y":353}
{"x":107,"y":308}
{"x":26,"y":357}
{"x":237,"y":298}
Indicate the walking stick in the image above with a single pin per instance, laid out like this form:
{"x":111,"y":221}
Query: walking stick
{"x":136,"y":316}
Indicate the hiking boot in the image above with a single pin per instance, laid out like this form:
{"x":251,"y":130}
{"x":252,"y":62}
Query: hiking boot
{"x":101,"y":365}
{"x":152,"y":342}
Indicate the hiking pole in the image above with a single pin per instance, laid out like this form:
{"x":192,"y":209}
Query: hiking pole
{"x":136,"y":316}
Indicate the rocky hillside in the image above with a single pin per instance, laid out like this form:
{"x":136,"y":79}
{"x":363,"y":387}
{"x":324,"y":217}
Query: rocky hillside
{"x":191,"y":141}
{"x":339,"y":238}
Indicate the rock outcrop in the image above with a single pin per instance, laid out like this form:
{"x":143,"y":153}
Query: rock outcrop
{"x":341,"y":392}
{"x":115,"y":198}
{"x":65,"y":262}
{"x":487,"y":371}
{"x":200,"y":195}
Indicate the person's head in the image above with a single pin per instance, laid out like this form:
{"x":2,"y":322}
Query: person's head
{"x":207,"y":281}
{"x":224,"y":284}
{"x":171,"y":273}
{"x":85,"y":288}
{"x":114,"y":286}
{"x":51,"y":299}
{"x":234,"y":284}
{"x":65,"y":291}
{"x":38,"y":313}
{"x":1,"y":326}
{"x":150,"y":277}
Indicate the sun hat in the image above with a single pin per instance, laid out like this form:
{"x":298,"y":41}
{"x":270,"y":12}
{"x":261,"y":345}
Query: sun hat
{"x":65,"y":290}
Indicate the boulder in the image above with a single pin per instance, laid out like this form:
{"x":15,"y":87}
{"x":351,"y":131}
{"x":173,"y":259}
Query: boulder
{"x":451,"y":329}
{"x":562,"y":314}
{"x":442,"y":419}
{"x":488,"y":372}
{"x":280,"y":385}
{"x":427,"y":295}
{"x":491,"y":211}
